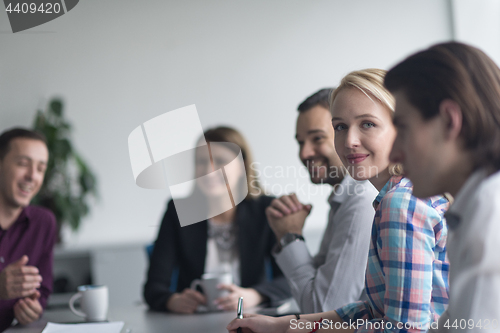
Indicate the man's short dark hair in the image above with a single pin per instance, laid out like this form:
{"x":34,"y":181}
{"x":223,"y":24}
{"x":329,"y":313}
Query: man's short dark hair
{"x":321,"y":98}
{"x":7,"y":136}
{"x":465,"y":75}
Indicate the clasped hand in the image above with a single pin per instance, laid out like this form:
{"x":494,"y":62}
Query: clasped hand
{"x":20,"y":281}
{"x":28,"y":309}
{"x":287,"y":215}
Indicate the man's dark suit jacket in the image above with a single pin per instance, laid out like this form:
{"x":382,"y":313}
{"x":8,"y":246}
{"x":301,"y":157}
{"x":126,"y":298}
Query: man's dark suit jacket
{"x":186,"y":249}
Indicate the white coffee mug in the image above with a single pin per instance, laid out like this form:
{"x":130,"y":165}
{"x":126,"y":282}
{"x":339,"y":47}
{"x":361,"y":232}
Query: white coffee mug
{"x":209,"y":283}
{"x":93,"y":303}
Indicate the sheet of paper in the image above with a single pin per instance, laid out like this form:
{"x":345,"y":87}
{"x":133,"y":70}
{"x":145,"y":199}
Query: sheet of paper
{"x":113,"y":327}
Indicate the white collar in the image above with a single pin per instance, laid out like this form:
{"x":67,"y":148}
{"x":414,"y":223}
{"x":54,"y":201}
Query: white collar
{"x":347,"y":185}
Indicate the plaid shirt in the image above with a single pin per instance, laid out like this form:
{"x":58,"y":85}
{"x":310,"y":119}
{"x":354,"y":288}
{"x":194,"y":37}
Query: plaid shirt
{"x":407,"y":272}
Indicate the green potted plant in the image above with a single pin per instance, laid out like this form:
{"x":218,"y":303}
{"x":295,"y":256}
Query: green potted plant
{"x":69,"y":182}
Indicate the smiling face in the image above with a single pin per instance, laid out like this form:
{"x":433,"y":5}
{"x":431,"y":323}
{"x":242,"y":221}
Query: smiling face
{"x":314,"y":134}
{"x":213,"y":184}
{"x":364,"y":134}
{"x":22,"y":171}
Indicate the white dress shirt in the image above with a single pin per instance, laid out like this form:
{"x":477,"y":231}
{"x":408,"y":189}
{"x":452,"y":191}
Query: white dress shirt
{"x":474,"y":253}
{"x":336,"y":275}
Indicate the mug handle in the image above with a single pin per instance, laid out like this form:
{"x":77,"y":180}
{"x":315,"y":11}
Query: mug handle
{"x":72,"y":306}
{"x":196,"y":283}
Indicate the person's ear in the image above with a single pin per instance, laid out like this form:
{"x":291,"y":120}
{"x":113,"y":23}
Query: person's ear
{"x":451,"y":115}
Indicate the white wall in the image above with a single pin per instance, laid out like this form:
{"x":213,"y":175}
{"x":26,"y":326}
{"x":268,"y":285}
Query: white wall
{"x":247,"y":64}
{"x":478,"y":23}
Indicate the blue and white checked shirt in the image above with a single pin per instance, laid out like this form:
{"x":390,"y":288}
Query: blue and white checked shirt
{"x":407,"y":271}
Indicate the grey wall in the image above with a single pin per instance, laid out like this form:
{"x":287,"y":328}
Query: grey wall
{"x":478,"y":23}
{"x":118,"y":63}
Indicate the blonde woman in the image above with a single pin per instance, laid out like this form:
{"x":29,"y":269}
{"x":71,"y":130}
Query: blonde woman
{"x":407,"y":273}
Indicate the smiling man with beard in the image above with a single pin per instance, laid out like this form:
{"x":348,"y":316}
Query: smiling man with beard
{"x":335,"y":276}
{"x":27,"y":233}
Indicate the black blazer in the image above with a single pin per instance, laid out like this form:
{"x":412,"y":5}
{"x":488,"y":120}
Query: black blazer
{"x":186,"y":249}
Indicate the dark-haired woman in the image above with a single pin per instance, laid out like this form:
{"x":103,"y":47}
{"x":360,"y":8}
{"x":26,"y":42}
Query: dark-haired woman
{"x":238,"y":241}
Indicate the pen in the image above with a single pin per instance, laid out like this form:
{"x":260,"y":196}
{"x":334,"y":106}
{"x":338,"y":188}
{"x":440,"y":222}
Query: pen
{"x":239,"y":313}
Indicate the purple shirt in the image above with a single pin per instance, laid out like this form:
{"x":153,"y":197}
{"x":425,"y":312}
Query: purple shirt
{"x":33,"y":234}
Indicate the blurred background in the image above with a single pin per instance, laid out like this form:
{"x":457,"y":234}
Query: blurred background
{"x":118,"y":63}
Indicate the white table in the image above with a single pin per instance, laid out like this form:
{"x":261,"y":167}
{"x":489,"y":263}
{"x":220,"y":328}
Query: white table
{"x":139,"y":320}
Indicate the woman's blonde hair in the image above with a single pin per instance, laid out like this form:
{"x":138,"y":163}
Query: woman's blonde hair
{"x":370,"y":82}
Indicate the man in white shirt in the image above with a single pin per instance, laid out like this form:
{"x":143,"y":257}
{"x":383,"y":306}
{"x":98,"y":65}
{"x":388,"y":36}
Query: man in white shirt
{"x":335,"y":276}
{"x":472,"y":247}
{"x":448,"y":121}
